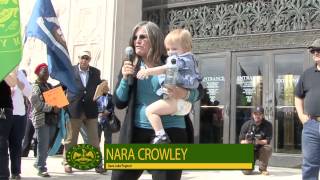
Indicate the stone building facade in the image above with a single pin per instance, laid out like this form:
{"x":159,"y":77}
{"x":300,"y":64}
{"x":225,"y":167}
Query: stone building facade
{"x":250,"y":52}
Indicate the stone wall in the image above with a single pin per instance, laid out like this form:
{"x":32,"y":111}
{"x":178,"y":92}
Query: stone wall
{"x":103,"y":27}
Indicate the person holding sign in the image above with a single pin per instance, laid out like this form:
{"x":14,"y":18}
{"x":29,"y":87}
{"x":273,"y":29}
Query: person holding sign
{"x":44,"y":118}
{"x":105,"y":109}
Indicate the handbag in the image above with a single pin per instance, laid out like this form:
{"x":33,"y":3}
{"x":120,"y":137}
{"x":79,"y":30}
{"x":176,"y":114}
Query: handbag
{"x":114,"y":124}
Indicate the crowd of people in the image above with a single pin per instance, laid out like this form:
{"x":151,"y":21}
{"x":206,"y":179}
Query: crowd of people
{"x":157,"y":113}
{"x":28,"y":120}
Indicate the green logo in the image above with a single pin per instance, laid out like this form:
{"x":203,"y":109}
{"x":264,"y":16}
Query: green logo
{"x":83,"y":157}
{"x":10,"y":36}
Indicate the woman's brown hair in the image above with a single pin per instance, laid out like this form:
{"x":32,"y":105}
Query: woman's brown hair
{"x":156,"y":38}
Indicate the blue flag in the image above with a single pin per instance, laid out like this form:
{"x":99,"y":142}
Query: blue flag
{"x":44,"y":25}
{"x":63,"y":119}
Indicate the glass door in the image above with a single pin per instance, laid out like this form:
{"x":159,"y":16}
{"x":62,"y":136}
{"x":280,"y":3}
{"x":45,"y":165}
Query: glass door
{"x":215,"y":102}
{"x":268,"y":79}
{"x":287,"y":69}
{"x":248,"y":88}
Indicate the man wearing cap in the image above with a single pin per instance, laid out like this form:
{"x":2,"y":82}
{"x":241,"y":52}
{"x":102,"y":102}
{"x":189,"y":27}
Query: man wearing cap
{"x":307,"y":102}
{"x":258,"y":131}
{"x":82,"y":108}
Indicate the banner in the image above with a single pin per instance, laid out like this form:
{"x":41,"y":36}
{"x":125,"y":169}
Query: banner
{"x":10,"y":37}
{"x":44,"y":25}
{"x":179,"y":156}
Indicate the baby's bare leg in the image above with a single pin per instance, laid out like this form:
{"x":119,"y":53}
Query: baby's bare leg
{"x":159,"y":108}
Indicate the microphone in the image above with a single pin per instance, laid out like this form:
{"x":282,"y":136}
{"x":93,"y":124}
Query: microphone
{"x":253,"y":128}
{"x":129,"y":55}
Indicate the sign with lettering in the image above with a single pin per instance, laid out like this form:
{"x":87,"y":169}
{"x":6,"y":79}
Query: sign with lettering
{"x":178,"y":156}
{"x":249,"y":90}
{"x":56,"y":97}
{"x":10,"y":36}
{"x":214,"y":86}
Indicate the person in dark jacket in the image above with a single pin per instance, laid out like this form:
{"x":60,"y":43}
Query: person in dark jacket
{"x":258,"y":131}
{"x":105,"y":109}
{"x":147,"y":41}
{"x":6,"y":122}
{"x":82,"y":108}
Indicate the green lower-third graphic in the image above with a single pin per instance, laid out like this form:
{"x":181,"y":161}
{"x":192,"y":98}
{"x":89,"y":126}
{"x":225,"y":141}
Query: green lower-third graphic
{"x":83,"y":157}
{"x":179,"y":156}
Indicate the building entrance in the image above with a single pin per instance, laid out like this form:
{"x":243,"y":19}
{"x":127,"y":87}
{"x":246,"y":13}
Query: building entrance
{"x":235,"y":82}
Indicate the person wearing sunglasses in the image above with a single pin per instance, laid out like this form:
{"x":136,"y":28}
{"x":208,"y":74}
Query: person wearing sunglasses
{"x":179,"y":45}
{"x":147,"y":41}
{"x":82,"y":108}
{"x":307,"y":102}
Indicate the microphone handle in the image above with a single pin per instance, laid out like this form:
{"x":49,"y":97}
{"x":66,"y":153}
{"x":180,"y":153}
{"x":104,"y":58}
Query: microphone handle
{"x":130,"y":77}
{"x":130,"y":80}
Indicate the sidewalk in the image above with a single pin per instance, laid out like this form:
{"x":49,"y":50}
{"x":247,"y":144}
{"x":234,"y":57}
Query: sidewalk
{"x":56,"y":171}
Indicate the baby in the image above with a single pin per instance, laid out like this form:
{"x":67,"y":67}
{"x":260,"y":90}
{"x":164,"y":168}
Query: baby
{"x":179,"y":45}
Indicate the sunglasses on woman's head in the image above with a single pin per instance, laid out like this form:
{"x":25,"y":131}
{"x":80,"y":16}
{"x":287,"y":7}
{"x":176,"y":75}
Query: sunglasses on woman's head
{"x":141,"y":36}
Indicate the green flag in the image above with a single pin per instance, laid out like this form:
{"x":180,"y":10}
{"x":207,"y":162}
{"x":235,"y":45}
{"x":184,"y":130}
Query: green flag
{"x":10,"y":36}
